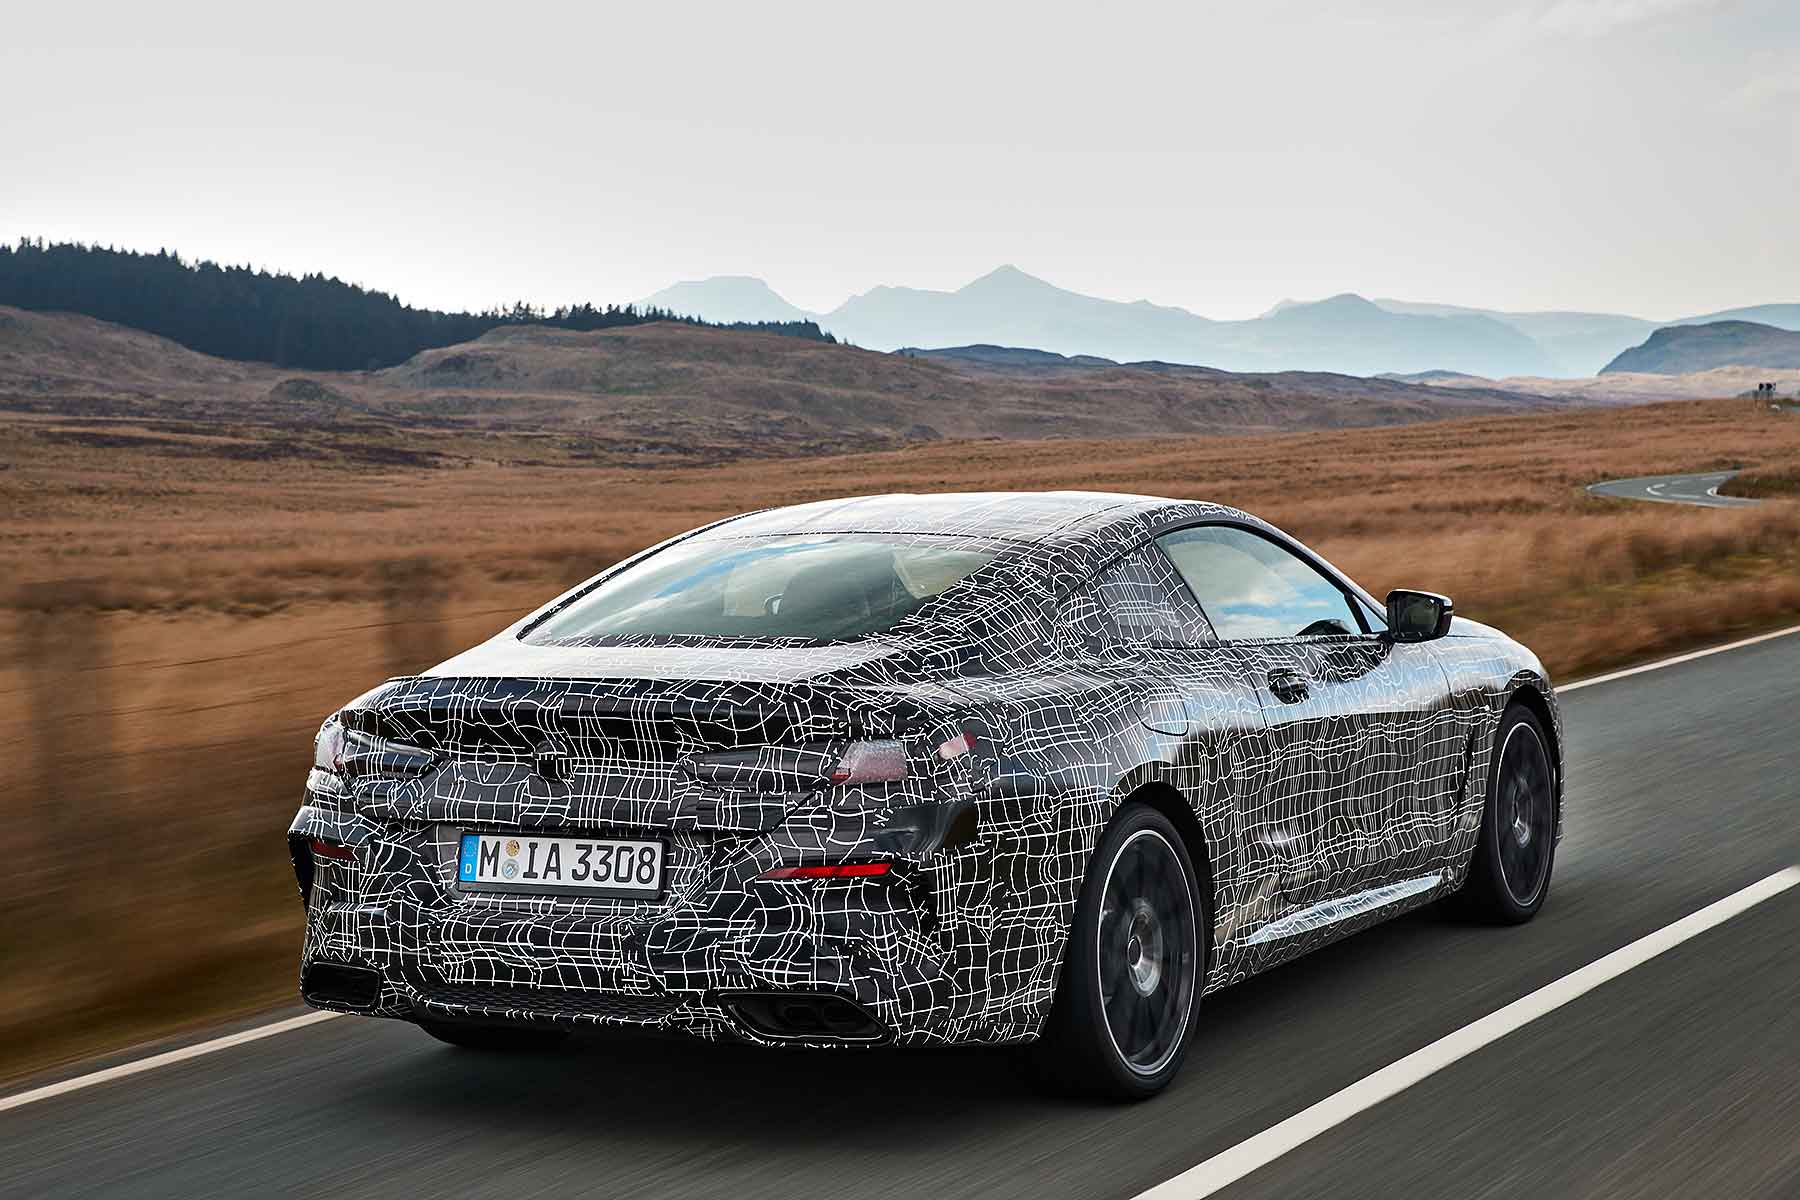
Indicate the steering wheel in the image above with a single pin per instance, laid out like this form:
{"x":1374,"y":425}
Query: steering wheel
{"x":1327,"y":627}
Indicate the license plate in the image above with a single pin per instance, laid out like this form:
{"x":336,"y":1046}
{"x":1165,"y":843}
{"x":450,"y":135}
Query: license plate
{"x":504,"y":862}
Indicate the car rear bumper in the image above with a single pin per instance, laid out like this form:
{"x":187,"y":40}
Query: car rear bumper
{"x":722,"y":955}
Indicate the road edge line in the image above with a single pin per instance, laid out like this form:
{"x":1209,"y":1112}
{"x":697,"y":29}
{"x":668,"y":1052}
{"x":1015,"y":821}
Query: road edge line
{"x":1677,"y":660}
{"x":167,"y":1058}
{"x":1229,"y":1166}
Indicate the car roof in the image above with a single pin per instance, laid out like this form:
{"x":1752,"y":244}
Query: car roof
{"x":1012,"y":516}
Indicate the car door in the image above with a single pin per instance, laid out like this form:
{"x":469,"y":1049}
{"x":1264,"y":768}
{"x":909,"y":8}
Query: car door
{"x":1352,"y":717}
{"x":1138,"y":625}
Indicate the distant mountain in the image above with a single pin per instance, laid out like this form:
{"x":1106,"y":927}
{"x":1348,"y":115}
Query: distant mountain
{"x":1577,"y":343}
{"x":1433,"y":377}
{"x":1351,"y":334}
{"x":1007,"y":307}
{"x":1781,"y":316}
{"x":733,"y":297}
{"x":1345,"y":333}
{"x":1683,"y":349}
{"x":1010,"y":308}
{"x":1582,"y":343}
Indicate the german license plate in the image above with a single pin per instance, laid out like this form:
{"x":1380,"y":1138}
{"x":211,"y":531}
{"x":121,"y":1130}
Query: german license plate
{"x":505,"y":862}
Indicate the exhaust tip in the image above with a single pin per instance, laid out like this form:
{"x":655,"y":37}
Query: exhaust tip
{"x":339,"y":985}
{"x":803,"y":1017}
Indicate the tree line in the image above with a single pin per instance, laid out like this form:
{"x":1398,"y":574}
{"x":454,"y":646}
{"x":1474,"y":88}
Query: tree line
{"x":313,"y":321}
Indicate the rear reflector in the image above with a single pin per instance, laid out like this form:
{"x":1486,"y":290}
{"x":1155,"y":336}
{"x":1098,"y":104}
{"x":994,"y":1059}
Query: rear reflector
{"x":324,"y":849}
{"x":843,"y":871}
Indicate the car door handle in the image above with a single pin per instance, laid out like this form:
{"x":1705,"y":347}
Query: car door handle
{"x":1288,"y":685}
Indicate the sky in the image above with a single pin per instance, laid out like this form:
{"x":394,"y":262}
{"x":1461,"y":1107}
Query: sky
{"x":1637,"y":156}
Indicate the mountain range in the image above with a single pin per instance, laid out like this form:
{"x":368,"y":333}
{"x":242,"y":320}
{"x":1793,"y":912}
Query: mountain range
{"x":1345,"y":333}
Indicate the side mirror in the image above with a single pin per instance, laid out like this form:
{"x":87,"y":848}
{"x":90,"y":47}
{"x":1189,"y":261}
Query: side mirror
{"x":1418,"y":616}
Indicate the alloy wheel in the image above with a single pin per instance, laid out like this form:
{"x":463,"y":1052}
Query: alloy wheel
{"x":1523,"y":814}
{"x":1146,"y":952}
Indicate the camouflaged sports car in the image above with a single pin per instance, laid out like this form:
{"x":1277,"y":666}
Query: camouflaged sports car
{"x":993,"y":768}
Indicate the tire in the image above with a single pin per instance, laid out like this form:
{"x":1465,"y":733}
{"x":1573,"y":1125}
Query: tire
{"x":499,"y":1039}
{"x":1509,"y":875}
{"x":1129,"y":996}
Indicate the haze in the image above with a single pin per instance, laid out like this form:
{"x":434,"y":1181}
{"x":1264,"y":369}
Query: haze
{"x":1639,"y":156}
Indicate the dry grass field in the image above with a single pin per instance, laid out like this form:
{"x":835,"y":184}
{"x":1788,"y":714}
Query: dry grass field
{"x":187,"y":600}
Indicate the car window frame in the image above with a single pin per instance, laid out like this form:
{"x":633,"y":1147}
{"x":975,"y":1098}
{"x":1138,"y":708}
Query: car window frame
{"x":1355,"y":598}
{"x":1090,"y":581}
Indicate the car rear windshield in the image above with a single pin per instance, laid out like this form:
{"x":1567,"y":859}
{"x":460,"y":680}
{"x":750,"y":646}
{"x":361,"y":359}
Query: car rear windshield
{"x":809,"y":588}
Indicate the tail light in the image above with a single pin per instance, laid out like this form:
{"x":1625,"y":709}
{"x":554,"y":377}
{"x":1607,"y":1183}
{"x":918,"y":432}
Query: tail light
{"x":956,"y":747}
{"x":801,"y":768}
{"x":807,"y":767}
{"x":328,"y":746}
{"x":871,"y":762}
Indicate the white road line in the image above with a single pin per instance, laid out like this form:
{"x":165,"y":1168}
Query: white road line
{"x":1678,"y":659}
{"x":1656,"y":488}
{"x":162,"y":1060}
{"x":1229,"y":1166}
{"x":262,"y":1031}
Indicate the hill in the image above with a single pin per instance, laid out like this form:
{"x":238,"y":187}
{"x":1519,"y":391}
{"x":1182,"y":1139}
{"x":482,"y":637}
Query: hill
{"x":260,"y":316}
{"x":1314,"y":391}
{"x":1683,"y":349}
{"x":683,"y":392}
{"x":1006,"y":356}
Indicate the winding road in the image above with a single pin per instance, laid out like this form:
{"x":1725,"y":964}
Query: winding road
{"x":1701,"y":490}
{"x":1679,"y":1076}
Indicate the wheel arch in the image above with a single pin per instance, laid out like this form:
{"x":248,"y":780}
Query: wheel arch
{"x":1534,"y":699}
{"x":1167,"y":800}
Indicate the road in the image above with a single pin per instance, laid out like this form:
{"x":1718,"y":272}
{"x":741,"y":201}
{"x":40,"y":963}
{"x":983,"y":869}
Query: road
{"x":1701,"y":490}
{"x":1678,"y":1078}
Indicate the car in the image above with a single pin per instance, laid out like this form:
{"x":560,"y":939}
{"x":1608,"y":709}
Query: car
{"x":1028,"y":769}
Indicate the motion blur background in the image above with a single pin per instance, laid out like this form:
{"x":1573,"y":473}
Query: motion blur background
{"x":206,"y":553}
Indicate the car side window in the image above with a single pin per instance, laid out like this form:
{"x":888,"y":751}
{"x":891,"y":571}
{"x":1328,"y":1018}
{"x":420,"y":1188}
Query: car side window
{"x":1252,"y":587}
{"x":1138,"y":601}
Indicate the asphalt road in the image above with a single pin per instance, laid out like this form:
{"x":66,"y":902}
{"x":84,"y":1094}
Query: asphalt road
{"x":1700,"y":490}
{"x":1678,"y":1078}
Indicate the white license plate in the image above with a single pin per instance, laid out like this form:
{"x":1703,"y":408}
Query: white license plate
{"x":513,"y":862}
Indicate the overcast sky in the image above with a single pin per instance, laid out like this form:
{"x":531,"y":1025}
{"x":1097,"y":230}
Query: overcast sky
{"x":1625,"y":155}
